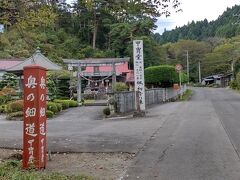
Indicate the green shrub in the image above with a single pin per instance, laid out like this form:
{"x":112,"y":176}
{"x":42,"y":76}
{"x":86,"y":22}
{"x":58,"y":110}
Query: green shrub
{"x":234,"y":84}
{"x":9,"y":91}
{"x":106,"y":111}
{"x":8,"y":80}
{"x":72,"y":103}
{"x":164,"y":76}
{"x":2,"y":109}
{"x":6,"y":94}
{"x":119,"y":87}
{"x":15,"y":106}
{"x":51,"y":88}
{"x":65,"y":104}
{"x":51,"y":106}
{"x":238,"y":80}
{"x":18,"y":114}
{"x":49,"y":114}
{"x":59,"y":82}
{"x":59,"y":106}
{"x":3,"y":99}
{"x":187,"y":95}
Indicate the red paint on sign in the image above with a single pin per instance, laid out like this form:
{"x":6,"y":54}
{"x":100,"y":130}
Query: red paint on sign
{"x":34,"y":136}
{"x":178,"y":67}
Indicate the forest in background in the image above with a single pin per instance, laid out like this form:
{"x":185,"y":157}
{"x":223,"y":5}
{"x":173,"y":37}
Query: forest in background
{"x":215,"y":44}
{"x":86,"y":28}
{"x":106,"y":28}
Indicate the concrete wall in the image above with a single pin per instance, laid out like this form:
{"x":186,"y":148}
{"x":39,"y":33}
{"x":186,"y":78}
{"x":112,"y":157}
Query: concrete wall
{"x":125,"y":101}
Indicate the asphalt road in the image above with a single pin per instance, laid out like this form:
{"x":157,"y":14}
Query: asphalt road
{"x":197,"y":140}
{"x":83,"y":130}
{"x":200,"y":140}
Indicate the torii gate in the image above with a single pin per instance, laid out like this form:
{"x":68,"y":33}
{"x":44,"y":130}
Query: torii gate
{"x":93,"y":62}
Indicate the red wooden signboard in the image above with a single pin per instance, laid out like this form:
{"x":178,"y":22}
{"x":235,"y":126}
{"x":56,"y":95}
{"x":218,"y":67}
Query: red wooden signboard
{"x":34,"y":136}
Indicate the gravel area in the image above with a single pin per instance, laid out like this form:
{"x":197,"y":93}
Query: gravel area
{"x":100,"y":166}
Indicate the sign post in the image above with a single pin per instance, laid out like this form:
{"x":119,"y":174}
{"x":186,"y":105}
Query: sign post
{"x":139,"y":75}
{"x":34,"y":136}
{"x":178,"y":68}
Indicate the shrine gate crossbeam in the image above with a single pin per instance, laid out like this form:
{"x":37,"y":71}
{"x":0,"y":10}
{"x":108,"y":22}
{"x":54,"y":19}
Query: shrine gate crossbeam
{"x":79,"y":63}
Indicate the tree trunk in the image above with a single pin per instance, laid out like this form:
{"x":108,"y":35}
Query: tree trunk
{"x":95,"y":28}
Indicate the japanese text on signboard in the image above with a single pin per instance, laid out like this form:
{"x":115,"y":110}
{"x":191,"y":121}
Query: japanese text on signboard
{"x":34,"y":149}
{"x":139,"y":71}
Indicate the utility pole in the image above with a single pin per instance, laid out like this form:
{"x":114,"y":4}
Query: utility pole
{"x":187,"y":67}
{"x":232,"y":67}
{"x":199,"y":71}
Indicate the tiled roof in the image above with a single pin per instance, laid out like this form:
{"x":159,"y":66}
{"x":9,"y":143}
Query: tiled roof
{"x":8,"y":63}
{"x":36,"y":59}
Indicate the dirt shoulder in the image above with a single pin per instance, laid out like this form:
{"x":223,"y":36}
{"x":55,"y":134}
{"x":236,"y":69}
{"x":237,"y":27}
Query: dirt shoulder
{"x":97,"y":165}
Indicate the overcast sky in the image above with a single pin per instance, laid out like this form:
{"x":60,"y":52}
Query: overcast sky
{"x":195,"y":10}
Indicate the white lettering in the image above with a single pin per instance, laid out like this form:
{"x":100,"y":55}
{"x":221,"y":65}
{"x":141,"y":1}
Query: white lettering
{"x":30,"y":130}
{"x":42,"y":97}
{"x":30,"y":151}
{"x":42,"y":112}
{"x":31,"y":97}
{"x":43,"y":83}
{"x":42,"y":129}
{"x":30,"y":112}
{"x":31,"y":82}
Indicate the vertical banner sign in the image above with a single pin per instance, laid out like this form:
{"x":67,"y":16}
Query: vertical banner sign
{"x":139,"y":74}
{"x":34,"y":136}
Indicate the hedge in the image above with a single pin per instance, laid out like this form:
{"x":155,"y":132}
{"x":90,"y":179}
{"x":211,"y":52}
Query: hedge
{"x":49,"y":114}
{"x":163,"y":75}
{"x":2,"y":108}
{"x":5,"y":95}
{"x":72,"y":103}
{"x":59,"y":106}
{"x":119,"y":87}
{"x":66,"y":103}
{"x":14,"y":106}
{"x":18,"y":114}
{"x":51,"y":106}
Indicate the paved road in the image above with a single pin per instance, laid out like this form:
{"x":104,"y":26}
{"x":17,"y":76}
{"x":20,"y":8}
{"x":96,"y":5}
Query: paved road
{"x":199,"y":141}
{"x":82,"y":130}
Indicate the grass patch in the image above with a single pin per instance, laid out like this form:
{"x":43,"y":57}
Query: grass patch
{"x":89,"y":101}
{"x":187,"y":95}
{"x":11,"y":170}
